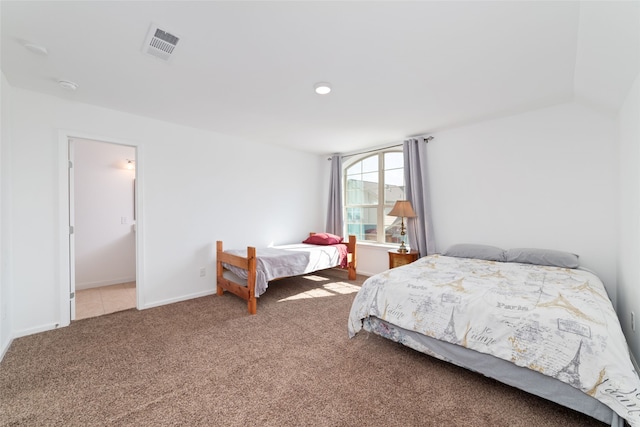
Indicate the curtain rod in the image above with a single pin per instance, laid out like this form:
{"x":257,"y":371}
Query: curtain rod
{"x":426,"y":139}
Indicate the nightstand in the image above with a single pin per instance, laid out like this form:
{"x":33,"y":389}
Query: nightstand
{"x":396,"y":259}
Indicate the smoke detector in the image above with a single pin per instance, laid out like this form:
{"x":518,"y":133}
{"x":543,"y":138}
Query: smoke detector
{"x":160,"y":43}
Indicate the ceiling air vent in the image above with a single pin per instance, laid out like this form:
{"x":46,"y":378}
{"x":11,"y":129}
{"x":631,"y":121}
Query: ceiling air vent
{"x":160,"y":43}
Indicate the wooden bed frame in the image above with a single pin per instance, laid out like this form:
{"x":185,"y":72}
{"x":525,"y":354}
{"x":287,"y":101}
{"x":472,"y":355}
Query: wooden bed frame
{"x":249,"y":263}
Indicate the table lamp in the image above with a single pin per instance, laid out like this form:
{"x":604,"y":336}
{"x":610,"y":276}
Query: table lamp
{"x":403,"y":209}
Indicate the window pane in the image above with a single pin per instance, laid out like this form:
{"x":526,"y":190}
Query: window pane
{"x":370,"y":164}
{"x":370,"y":188}
{"x":353,"y":193}
{"x":362,"y":223}
{"x":394,"y":177}
{"x":392,"y":232}
{"x":392,"y":226}
{"x":355,"y":169}
{"x":371,"y":178}
{"x":393,"y":160}
{"x":361,"y":190}
{"x":362,"y":182}
{"x":394,"y":185}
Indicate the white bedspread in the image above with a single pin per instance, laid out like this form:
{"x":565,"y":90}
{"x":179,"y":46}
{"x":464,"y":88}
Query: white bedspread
{"x":557,"y":321}
{"x":286,"y":261}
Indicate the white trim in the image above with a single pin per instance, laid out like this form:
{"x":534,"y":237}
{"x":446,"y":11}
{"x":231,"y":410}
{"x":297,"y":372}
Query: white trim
{"x":180,"y":298}
{"x":4,"y":349}
{"x":382,"y":246}
{"x":64,"y":315}
{"x":64,"y":261}
{"x":72,"y":223}
{"x":36,"y":330}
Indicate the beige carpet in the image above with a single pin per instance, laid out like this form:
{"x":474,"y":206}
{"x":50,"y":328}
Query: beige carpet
{"x":206,"y":362}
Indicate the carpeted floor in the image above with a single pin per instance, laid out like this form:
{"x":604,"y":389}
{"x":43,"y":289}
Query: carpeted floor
{"x":206,"y":362}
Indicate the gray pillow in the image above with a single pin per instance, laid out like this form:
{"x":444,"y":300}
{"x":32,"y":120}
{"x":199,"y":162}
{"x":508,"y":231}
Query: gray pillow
{"x":543,"y":257}
{"x":469,"y":250}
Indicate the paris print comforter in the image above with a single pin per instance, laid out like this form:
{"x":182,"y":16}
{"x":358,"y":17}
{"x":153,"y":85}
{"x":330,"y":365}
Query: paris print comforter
{"x":557,"y":321}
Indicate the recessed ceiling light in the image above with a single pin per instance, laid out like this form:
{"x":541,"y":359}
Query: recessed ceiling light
{"x":36,"y":48}
{"x":322,"y":88}
{"x":68,"y":85}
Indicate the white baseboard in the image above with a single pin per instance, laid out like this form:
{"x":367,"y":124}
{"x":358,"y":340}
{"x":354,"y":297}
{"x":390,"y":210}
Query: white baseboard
{"x":36,"y":330}
{"x":108,"y":282}
{"x":5,"y":348}
{"x":179,"y":299}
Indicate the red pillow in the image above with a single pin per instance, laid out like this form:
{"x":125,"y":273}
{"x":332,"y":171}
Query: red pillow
{"x":323,"y":239}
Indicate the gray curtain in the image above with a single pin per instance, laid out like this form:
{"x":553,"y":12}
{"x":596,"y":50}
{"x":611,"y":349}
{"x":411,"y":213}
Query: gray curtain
{"x":420,"y":228}
{"x":334,"y":213}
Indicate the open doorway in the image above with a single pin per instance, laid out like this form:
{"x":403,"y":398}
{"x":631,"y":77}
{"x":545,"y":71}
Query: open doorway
{"x":102,"y":213}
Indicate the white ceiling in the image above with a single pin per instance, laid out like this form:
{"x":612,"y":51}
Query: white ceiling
{"x":397,"y":68}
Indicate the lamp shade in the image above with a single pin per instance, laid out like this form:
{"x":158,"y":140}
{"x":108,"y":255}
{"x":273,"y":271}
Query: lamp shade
{"x":402,"y":208}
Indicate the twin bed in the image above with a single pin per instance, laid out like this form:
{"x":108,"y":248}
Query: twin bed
{"x":528,"y":318}
{"x":246,"y":273}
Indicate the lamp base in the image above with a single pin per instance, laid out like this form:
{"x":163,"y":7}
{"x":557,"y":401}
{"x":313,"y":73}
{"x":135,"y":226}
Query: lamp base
{"x":402,"y":249}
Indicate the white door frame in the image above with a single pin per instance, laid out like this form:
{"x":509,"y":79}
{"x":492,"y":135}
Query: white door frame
{"x":72,"y":224}
{"x":66,"y":264}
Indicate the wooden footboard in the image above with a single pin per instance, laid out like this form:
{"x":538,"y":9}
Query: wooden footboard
{"x":351,"y":257}
{"x":248,"y":263}
{"x":248,"y":291}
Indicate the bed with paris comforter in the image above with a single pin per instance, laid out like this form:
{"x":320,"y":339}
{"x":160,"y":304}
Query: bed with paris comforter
{"x":547,"y":330}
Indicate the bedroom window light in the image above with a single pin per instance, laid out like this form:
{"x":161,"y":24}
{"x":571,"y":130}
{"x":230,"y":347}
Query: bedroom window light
{"x":372,"y":185}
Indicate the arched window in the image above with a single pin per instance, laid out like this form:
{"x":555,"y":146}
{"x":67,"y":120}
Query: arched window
{"x":371,"y":187}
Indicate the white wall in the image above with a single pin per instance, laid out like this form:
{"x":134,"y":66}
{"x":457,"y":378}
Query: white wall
{"x":198,"y":187}
{"x":6,"y":307}
{"x":104,"y":227}
{"x":373,"y":259}
{"x":545,"y":179}
{"x":629,"y":225}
